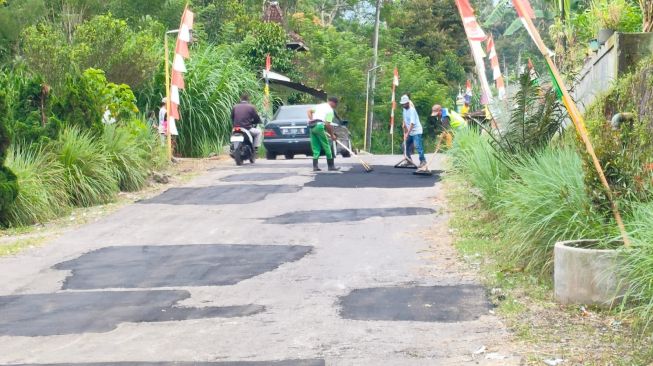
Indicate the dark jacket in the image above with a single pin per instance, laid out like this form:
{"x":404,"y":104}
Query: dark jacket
{"x":244,"y":115}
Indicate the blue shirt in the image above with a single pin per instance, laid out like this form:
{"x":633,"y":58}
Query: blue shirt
{"x":411,"y":118}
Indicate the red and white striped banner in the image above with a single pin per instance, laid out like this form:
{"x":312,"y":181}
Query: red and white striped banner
{"x":475,"y":36}
{"x":496,"y":67}
{"x":395,"y":84}
{"x":178,"y":64}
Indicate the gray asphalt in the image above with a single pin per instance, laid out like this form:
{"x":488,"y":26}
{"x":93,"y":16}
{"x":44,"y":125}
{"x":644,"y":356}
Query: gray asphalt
{"x":257,"y":265}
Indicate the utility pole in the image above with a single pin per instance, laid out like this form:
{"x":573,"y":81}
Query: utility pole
{"x":370,"y":117}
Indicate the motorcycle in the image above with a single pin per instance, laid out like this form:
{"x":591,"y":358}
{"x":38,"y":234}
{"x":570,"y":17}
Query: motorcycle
{"x":242,"y":146}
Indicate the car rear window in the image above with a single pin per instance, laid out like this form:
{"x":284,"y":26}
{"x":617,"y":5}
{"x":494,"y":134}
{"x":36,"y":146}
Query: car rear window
{"x":293,"y":112}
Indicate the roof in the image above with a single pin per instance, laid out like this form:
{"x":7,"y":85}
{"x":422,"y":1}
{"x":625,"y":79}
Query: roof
{"x":273,"y":12}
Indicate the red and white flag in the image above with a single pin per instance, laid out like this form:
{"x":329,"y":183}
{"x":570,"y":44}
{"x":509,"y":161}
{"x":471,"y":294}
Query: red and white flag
{"x":475,"y":36}
{"x":496,"y":67}
{"x":395,"y":84}
{"x":178,"y":64}
{"x":526,"y":15}
{"x":473,"y":30}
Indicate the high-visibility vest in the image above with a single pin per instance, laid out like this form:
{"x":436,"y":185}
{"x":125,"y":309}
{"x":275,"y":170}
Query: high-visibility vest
{"x":456,"y":120}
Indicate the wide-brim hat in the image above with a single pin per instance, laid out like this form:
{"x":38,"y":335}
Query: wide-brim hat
{"x":404,"y":99}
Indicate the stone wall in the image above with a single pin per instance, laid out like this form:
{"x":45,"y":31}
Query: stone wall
{"x":618,"y":56}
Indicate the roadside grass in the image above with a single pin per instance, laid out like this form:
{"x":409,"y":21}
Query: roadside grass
{"x":17,"y":238}
{"x":14,"y":247}
{"x":542,"y":328}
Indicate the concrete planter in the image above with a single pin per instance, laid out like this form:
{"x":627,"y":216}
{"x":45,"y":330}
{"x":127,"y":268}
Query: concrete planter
{"x":604,"y":35}
{"x":583,"y":275}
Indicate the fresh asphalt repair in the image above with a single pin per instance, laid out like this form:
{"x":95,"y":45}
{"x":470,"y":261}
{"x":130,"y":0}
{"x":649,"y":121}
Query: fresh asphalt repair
{"x":148,"y":285}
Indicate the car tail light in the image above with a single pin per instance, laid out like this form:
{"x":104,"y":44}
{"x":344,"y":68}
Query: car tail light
{"x":269,"y":133}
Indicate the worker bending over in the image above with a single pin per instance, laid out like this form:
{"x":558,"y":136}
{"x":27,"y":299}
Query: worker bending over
{"x":450,"y":122}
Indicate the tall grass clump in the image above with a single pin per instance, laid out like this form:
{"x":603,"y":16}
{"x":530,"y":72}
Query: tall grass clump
{"x":42,"y":188}
{"x":475,"y":158}
{"x":637,"y":266}
{"x":546,"y":201}
{"x":128,"y":158}
{"x":216,"y":79}
{"x":90,"y":178}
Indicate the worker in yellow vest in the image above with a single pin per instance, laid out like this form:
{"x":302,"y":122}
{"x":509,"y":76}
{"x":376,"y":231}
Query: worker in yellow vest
{"x":450,"y":121}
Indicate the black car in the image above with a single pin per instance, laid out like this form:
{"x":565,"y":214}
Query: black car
{"x":288,"y":135}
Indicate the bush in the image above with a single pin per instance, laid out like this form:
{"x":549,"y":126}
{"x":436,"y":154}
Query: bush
{"x":218,"y":80}
{"x":42,"y":195}
{"x":474,"y":157}
{"x":8,"y":184}
{"x":89,"y":176}
{"x":637,"y":264}
{"x":545,"y":202}
{"x":128,"y":159}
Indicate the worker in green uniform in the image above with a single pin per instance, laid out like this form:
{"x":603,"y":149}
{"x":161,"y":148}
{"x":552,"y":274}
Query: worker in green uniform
{"x":320,"y":118}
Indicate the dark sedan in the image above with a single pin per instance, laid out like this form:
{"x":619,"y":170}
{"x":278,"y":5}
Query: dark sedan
{"x":288,"y":135}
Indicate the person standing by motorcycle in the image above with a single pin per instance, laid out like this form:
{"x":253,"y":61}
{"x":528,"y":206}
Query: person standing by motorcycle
{"x":244,"y":115}
{"x":320,"y":118}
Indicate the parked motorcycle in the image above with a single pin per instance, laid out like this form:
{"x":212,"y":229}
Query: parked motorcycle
{"x":242,"y":146}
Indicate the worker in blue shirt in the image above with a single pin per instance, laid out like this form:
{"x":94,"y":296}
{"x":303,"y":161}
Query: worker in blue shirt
{"x":412,"y":130}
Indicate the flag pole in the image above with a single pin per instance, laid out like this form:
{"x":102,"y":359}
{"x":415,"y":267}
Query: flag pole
{"x":167,"y":119}
{"x":576,"y":118}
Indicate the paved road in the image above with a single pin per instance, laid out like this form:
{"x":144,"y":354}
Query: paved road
{"x":258,"y":265}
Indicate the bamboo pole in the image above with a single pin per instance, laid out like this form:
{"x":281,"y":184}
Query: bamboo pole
{"x":167,"y":121}
{"x":579,"y":124}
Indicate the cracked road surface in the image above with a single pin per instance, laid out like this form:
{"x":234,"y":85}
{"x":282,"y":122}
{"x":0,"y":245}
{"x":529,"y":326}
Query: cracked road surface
{"x":257,"y":265}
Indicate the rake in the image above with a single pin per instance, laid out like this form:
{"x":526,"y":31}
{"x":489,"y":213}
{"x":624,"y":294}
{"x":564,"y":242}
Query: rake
{"x":368,"y":168}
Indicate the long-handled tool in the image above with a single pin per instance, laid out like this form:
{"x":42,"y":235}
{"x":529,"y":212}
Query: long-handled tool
{"x":406,"y":163}
{"x":426,"y":171}
{"x":368,"y":168}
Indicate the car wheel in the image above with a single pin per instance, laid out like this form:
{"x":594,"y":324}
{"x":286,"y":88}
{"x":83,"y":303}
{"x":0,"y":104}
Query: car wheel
{"x":270,"y":155}
{"x":289,"y":156}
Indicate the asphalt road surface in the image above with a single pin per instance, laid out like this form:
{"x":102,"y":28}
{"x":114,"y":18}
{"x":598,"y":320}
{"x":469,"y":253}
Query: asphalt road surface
{"x":268,"y":264}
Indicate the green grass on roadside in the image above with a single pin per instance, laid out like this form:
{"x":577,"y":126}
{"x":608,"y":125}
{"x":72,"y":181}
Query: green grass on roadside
{"x":16,"y":246}
{"x":542,"y":328}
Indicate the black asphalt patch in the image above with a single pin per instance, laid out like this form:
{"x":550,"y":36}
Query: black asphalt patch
{"x":220,"y":195}
{"x":175,"y":265}
{"x":256,"y":177}
{"x":97,"y":312}
{"x":382,"y":177}
{"x":346,"y":215}
{"x":445,"y":304}
{"x":224,"y":363}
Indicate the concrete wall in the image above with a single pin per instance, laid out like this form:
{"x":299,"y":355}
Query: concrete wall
{"x":619,"y":54}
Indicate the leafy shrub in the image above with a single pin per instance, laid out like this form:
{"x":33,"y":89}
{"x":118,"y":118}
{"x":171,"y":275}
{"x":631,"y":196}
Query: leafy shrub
{"x":42,"y":195}
{"x":85,"y":99}
{"x":128,"y":158}
{"x":625,"y":151}
{"x":546,"y":201}
{"x":474,"y":157}
{"x":102,"y":42}
{"x":90,"y":178}
{"x":8,"y":184}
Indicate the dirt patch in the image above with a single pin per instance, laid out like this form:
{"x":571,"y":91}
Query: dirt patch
{"x":227,"y":363}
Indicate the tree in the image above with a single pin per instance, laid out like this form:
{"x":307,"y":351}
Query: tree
{"x":264,"y":39}
{"x":432,"y":28}
{"x":102,"y":42}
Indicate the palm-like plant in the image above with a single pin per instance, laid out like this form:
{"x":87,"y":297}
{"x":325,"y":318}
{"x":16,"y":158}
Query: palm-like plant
{"x":537,"y":116}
